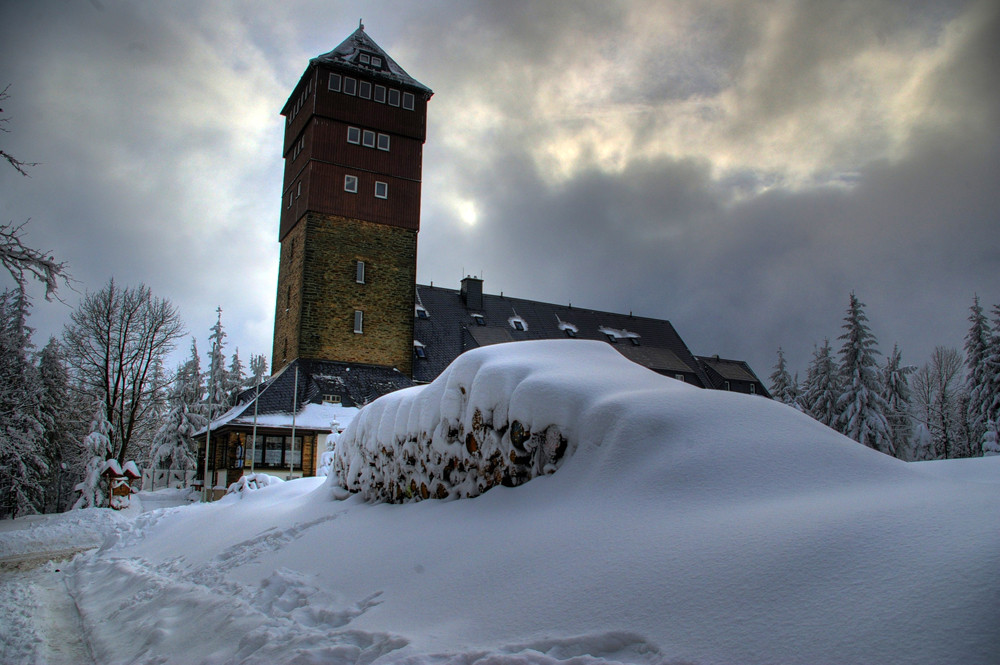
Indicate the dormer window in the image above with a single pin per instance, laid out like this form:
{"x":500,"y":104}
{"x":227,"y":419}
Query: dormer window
{"x":570,"y":332}
{"x":365,"y":59}
{"x":419,"y":350}
{"x":634,"y":340}
{"x":612,"y":339}
{"x":518,"y":325}
{"x":331,"y":399}
{"x":479,"y":319}
{"x":421,"y":312}
{"x":376,"y":61}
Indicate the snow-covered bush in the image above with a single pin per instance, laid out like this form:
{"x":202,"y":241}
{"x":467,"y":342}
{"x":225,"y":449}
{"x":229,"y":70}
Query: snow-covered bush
{"x":252,"y":482}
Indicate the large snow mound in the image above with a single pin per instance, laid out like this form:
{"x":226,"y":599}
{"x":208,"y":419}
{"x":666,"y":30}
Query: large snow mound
{"x":683,"y":525}
{"x":501,"y":415}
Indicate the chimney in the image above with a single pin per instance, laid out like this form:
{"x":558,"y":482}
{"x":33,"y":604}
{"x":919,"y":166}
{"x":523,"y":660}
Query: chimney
{"x":472,"y":292}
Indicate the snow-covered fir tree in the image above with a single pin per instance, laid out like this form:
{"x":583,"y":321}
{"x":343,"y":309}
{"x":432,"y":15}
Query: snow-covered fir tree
{"x":98,"y":449}
{"x":258,"y":370}
{"x":822,"y":386}
{"x":896,"y":393}
{"x":22,"y":463}
{"x":977,"y":348}
{"x":781,"y":381}
{"x":990,"y":388}
{"x":861,"y":408}
{"x":174,"y":446}
{"x":217,"y":379}
{"x":236,"y":376}
{"x":64,"y":423}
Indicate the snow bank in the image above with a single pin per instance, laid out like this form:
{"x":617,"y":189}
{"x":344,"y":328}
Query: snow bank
{"x":252,"y":482}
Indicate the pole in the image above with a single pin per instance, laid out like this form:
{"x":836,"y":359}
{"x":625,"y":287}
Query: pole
{"x":253,"y":450}
{"x":295,"y":407}
{"x":208,"y":428}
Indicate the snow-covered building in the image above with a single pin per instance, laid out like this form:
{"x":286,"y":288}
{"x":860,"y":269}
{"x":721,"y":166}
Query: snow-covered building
{"x":351,"y":323}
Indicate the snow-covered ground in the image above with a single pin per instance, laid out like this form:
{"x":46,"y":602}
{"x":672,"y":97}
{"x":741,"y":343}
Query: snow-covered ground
{"x":682,"y":526}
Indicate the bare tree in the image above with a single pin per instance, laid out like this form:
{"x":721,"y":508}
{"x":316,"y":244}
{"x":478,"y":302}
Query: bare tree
{"x":936,"y":390}
{"x":115,"y":341}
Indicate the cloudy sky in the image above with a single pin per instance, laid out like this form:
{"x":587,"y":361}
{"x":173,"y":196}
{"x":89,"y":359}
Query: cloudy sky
{"x":735,"y":167}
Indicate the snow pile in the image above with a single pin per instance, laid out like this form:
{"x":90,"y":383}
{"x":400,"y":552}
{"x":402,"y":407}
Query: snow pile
{"x":491,"y":418}
{"x":252,"y":482}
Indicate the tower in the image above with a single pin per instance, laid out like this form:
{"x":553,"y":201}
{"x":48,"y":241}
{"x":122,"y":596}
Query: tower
{"x":355,"y":126}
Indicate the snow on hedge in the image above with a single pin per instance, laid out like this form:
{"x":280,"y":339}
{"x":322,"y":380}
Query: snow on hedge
{"x":493,"y":417}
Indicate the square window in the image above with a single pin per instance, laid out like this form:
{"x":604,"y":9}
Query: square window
{"x":334,"y":82}
{"x":359,"y":320}
{"x":381,"y":190}
{"x":364,"y":90}
{"x":408,"y":101}
{"x":517,"y":324}
{"x":350,"y":85}
{"x":393,"y":97}
{"x":365,"y":58}
{"x":353,"y":135}
{"x":383,"y":142}
{"x":359,"y":275}
{"x":379,"y":95}
{"x":351,"y":184}
{"x":369,"y":139}
{"x":376,"y":62}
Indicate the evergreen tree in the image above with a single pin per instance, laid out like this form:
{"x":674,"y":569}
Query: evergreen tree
{"x":861,"y":408}
{"x":217,"y":379}
{"x":258,"y":370}
{"x":64,"y":423}
{"x":98,"y":449}
{"x":896,"y":393}
{"x":990,"y":389}
{"x":236,"y":377}
{"x":781,"y":381}
{"x":822,"y":386}
{"x":977,"y":349}
{"x":174,"y":446}
{"x":22,"y":463}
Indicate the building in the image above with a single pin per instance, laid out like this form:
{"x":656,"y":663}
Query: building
{"x":351,"y":323}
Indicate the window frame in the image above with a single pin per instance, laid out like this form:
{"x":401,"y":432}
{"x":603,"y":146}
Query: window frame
{"x":384,"y":187}
{"x":351,"y":183}
{"x":393,"y":93}
{"x":378,"y":93}
{"x":356,"y":133}
{"x":364,"y":89}
{"x":359,"y":272}
{"x":359,"y":322}
{"x":352,"y":83}
{"x":378,"y":141}
{"x":409,"y":98}
{"x":368,"y":138}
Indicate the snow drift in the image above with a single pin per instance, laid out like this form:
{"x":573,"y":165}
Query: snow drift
{"x":682,"y":525}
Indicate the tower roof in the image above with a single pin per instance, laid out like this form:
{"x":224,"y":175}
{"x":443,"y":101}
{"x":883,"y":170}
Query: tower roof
{"x":355,"y":53}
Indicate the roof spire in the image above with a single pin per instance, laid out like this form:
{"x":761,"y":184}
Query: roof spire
{"x":361,"y":25}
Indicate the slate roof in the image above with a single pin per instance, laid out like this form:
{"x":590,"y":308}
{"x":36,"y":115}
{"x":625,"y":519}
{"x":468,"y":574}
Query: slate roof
{"x":347,"y":57}
{"x":719,"y":370}
{"x":450,"y":329}
{"x":355,"y":384}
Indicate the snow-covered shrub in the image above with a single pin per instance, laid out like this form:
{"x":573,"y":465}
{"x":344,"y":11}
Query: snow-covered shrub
{"x":252,"y":482}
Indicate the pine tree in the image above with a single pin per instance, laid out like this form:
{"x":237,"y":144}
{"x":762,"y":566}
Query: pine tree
{"x":173,"y":445}
{"x":990,"y":390}
{"x":22,"y":463}
{"x":217,"y":380}
{"x":977,"y":349}
{"x":236,"y":377}
{"x":896,"y":393}
{"x":861,"y":408}
{"x":93,"y":493}
{"x":781,"y":381}
{"x":258,"y":370}
{"x":822,"y":386}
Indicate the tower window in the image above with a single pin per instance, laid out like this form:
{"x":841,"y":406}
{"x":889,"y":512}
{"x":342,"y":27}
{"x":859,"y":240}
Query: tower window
{"x":350,"y":86}
{"x":353,"y":135}
{"x":364,"y":90}
{"x":381,"y":190}
{"x":368,"y":138}
{"x":359,"y":275}
{"x":379,"y":95}
{"x":408,"y":101}
{"x":383,"y":142}
{"x":393,"y":97}
{"x":376,"y":62}
{"x":359,"y":320}
{"x":298,"y":189}
{"x":365,"y":59}
{"x":351,"y":184}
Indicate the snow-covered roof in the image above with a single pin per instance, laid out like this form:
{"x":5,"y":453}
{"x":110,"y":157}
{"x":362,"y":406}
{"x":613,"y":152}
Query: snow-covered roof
{"x":348,"y":55}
